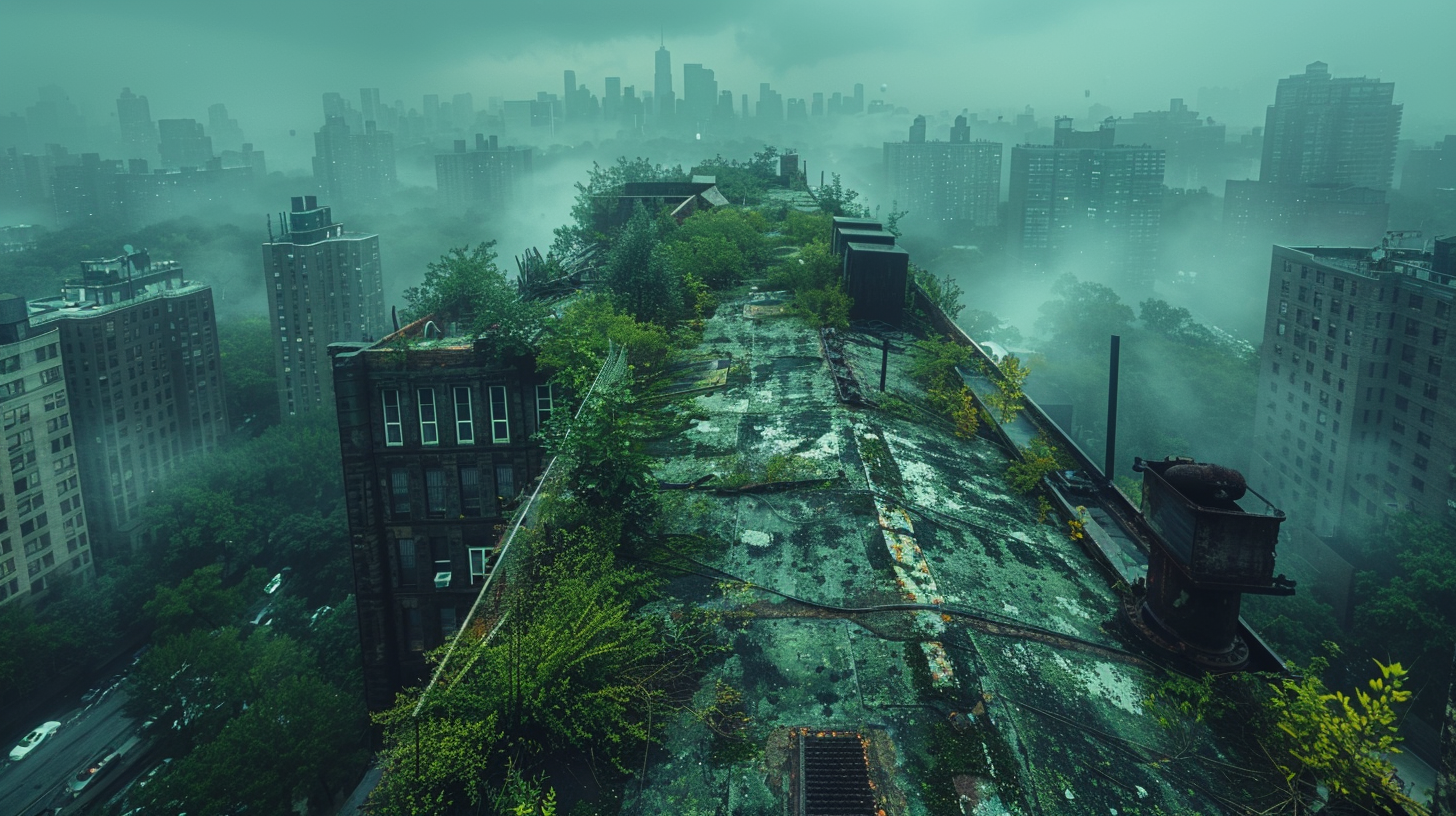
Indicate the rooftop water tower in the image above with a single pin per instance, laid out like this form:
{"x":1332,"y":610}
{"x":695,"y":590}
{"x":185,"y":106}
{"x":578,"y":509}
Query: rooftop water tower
{"x":1213,"y":542}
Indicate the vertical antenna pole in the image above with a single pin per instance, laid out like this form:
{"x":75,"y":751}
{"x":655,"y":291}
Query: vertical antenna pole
{"x":1111,"y":462}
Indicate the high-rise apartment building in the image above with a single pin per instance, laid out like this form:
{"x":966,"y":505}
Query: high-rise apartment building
{"x":224,"y":130}
{"x":612,"y":99}
{"x":43,"y":532}
{"x":1328,"y":158}
{"x":1332,"y":131}
{"x":1088,"y":200}
{"x":353,"y":168}
{"x":438,"y":447}
{"x":324,"y":286}
{"x":1197,"y":153}
{"x":1354,"y":418}
{"x":488,"y":176}
{"x":183,"y":144}
{"x":139,"y":344}
{"x":138,"y":131}
{"x":959,"y":180}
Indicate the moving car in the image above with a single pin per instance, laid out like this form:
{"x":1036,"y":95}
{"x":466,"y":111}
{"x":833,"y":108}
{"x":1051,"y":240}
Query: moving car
{"x":33,"y":739}
{"x":101,"y":765}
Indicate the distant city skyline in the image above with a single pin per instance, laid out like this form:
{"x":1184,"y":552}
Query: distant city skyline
{"x":986,"y":55}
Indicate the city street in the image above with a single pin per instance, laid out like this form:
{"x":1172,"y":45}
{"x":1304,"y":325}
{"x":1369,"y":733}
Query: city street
{"x":30,"y":785}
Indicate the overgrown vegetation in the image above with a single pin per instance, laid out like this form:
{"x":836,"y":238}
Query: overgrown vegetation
{"x":1310,"y":747}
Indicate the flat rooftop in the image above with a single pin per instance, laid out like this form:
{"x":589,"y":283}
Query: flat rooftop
{"x":899,"y":591}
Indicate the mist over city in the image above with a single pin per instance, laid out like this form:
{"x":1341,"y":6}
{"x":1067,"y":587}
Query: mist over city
{"x":946,"y":408}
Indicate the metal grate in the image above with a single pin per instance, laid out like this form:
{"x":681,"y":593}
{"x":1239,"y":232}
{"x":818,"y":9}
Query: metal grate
{"x":834,"y":775}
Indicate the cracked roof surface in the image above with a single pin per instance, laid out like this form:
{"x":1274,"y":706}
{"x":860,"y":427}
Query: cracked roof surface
{"x":1009,"y":644}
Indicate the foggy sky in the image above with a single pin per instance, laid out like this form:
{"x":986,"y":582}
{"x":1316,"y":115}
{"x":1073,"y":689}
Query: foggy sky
{"x":269,"y":60}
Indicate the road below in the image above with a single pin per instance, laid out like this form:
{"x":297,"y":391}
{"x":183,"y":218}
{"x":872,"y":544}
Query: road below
{"x":29,"y":785}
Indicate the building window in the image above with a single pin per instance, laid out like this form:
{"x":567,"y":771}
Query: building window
{"x":399,"y":492}
{"x":406,"y":560}
{"x":505,"y":482}
{"x":477,"y":563}
{"x":470,"y":504}
{"x":393,"y":427}
{"x":464,"y":419}
{"x":429,"y":424}
{"x":448,"y":624}
{"x":500,"y":426}
{"x":416,"y":630}
{"x":545,"y":403}
{"x":435,"y":492}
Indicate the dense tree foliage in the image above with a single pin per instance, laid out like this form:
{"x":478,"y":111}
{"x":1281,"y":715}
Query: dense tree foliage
{"x":467,"y":286}
{"x":595,"y":199}
{"x":249,"y":370}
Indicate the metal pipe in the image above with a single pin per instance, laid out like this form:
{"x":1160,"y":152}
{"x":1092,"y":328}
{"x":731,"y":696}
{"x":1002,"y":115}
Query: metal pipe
{"x":884,"y":362}
{"x":1109,"y":468}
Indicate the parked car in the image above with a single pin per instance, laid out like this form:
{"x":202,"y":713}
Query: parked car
{"x":33,"y":739}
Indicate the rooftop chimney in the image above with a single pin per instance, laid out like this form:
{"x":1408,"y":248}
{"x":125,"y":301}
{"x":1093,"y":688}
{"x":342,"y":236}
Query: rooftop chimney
{"x":298,"y":203}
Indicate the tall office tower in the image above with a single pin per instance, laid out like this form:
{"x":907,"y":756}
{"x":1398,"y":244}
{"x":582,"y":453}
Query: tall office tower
{"x":437,"y":452}
{"x":54,"y":120}
{"x":430,"y":107}
{"x":1331,"y":131}
{"x":859,"y":102}
{"x":223,"y":129}
{"x":369,"y":106}
{"x":700,"y":92}
{"x":354,"y":168}
{"x":142,"y":368}
{"x":1198,"y":155}
{"x":568,"y":96}
{"x":324,"y":286}
{"x":956,"y":181}
{"x":183,"y":143}
{"x":488,"y":176}
{"x":743,"y":105}
{"x":1358,"y":349}
{"x":462,"y":111}
{"x":43,"y":532}
{"x":662,"y":84}
{"x":1087,"y":200}
{"x":770,"y":104}
{"x":612,"y":99}
{"x":138,"y":131}
{"x":816,"y":108}
{"x":836,"y":104}
{"x":796,"y":109}
{"x":725,"y":105}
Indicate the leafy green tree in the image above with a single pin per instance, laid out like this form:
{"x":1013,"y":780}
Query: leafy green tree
{"x":300,"y":740}
{"x":943,"y":292}
{"x":574,"y":347}
{"x":638,"y":273}
{"x":466,"y":284}
{"x":33,"y":652}
{"x":982,"y":326}
{"x":1083,"y":313}
{"x":712,"y":258}
{"x":836,"y":199}
{"x":1331,"y":741}
{"x":245,"y":348}
{"x":201,"y":600}
{"x":596,"y":199}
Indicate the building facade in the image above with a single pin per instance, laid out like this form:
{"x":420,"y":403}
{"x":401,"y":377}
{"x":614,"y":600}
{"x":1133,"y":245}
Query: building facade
{"x":139,"y":344}
{"x":324,"y":286}
{"x":1339,"y":131}
{"x":488,"y":176}
{"x":959,"y":180}
{"x":1196,"y":147}
{"x":1086,"y":200}
{"x":43,"y":530}
{"x":438,"y":450}
{"x":1354,"y":419}
{"x":353,"y":168}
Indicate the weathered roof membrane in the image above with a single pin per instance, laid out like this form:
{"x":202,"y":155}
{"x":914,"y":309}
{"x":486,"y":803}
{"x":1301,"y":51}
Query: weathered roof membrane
{"x":900,"y":591}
